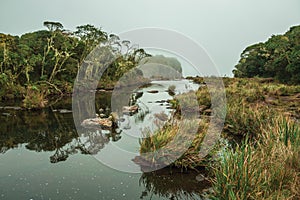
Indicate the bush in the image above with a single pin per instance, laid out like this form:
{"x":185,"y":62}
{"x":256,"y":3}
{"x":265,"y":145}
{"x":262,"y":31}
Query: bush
{"x":35,"y":97}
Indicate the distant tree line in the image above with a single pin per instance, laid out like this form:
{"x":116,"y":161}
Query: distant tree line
{"x":161,"y":67}
{"x":46,"y":62}
{"x":278,"y":57}
{"x":167,"y":61}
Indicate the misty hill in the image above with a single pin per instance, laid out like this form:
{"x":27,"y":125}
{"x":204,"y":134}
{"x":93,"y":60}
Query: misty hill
{"x":161,"y":67}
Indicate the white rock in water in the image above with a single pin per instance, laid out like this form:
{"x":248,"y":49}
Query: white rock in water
{"x":63,"y":111}
{"x":130,"y":109}
{"x":104,"y":123}
{"x":102,"y":115}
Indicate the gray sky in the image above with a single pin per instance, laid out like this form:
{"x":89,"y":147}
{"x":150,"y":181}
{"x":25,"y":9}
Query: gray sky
{"x":223,"y":27}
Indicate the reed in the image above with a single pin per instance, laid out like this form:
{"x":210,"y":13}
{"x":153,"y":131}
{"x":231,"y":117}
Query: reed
{"x":176,"y":141}
{"x":265,"y":168}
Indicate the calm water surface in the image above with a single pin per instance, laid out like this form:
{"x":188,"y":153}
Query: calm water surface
{"x":44,"y":157}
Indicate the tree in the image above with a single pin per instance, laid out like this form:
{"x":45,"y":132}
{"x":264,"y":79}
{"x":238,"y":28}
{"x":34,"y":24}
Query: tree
{"x":47,"y":61}
{"x":278,"y":58}
{"x":53,"y":26}
{"x":90,"y":36}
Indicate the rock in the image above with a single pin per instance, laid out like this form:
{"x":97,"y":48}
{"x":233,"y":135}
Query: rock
{"x":105,"y":123}
{"x":102,"y":115}
{"x":64,"y":111}
{"x":153,"y":91}
{"x":129,"y":110}
{"x":137,"y":95}
{"x":162,"y":101}
{"x":92,"y":122}
{"x":114,"y":117}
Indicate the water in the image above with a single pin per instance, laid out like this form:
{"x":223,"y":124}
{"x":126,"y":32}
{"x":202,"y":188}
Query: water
{"x":44,"y":157}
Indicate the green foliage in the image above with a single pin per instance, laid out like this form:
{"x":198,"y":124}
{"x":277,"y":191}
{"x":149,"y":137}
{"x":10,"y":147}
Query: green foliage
{"x":278,"y":57}
{"x":54,"y":57}
{"x":267,"y":168}
{"x":53,"y":26}
{"x":35,"y":97}
{"x":243,"y":120}
{"x":3,"y":79}
{"x":265,"y":165}
{"x":175,"y":139}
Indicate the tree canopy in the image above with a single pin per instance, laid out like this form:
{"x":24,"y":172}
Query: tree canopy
{"x":279,"y":58}
{"x":48,"y":60}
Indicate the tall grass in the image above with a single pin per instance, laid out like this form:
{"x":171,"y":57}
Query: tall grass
{"x":177,"y":141}
{"x":244,"y":120}
{"x":266,"y":168}
{"x":267,"y":164}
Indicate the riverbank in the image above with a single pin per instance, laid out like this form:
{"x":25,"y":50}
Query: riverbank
{"x":42,"y":95}
{"x":260,"y":157}
{"x":257,"y":156}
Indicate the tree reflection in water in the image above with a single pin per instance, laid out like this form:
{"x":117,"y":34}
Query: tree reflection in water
{"x":45,"y":130}
{"x":50,"y":130}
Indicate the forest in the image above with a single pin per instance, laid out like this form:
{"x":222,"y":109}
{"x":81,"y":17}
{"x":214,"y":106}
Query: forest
{"x":45,"y":62}
{"x":278,"y":58}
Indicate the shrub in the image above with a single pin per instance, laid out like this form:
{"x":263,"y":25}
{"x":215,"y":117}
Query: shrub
{"x":35,"y":97}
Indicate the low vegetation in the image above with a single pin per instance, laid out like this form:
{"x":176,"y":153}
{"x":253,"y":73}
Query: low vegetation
{"x":262,"y":157}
